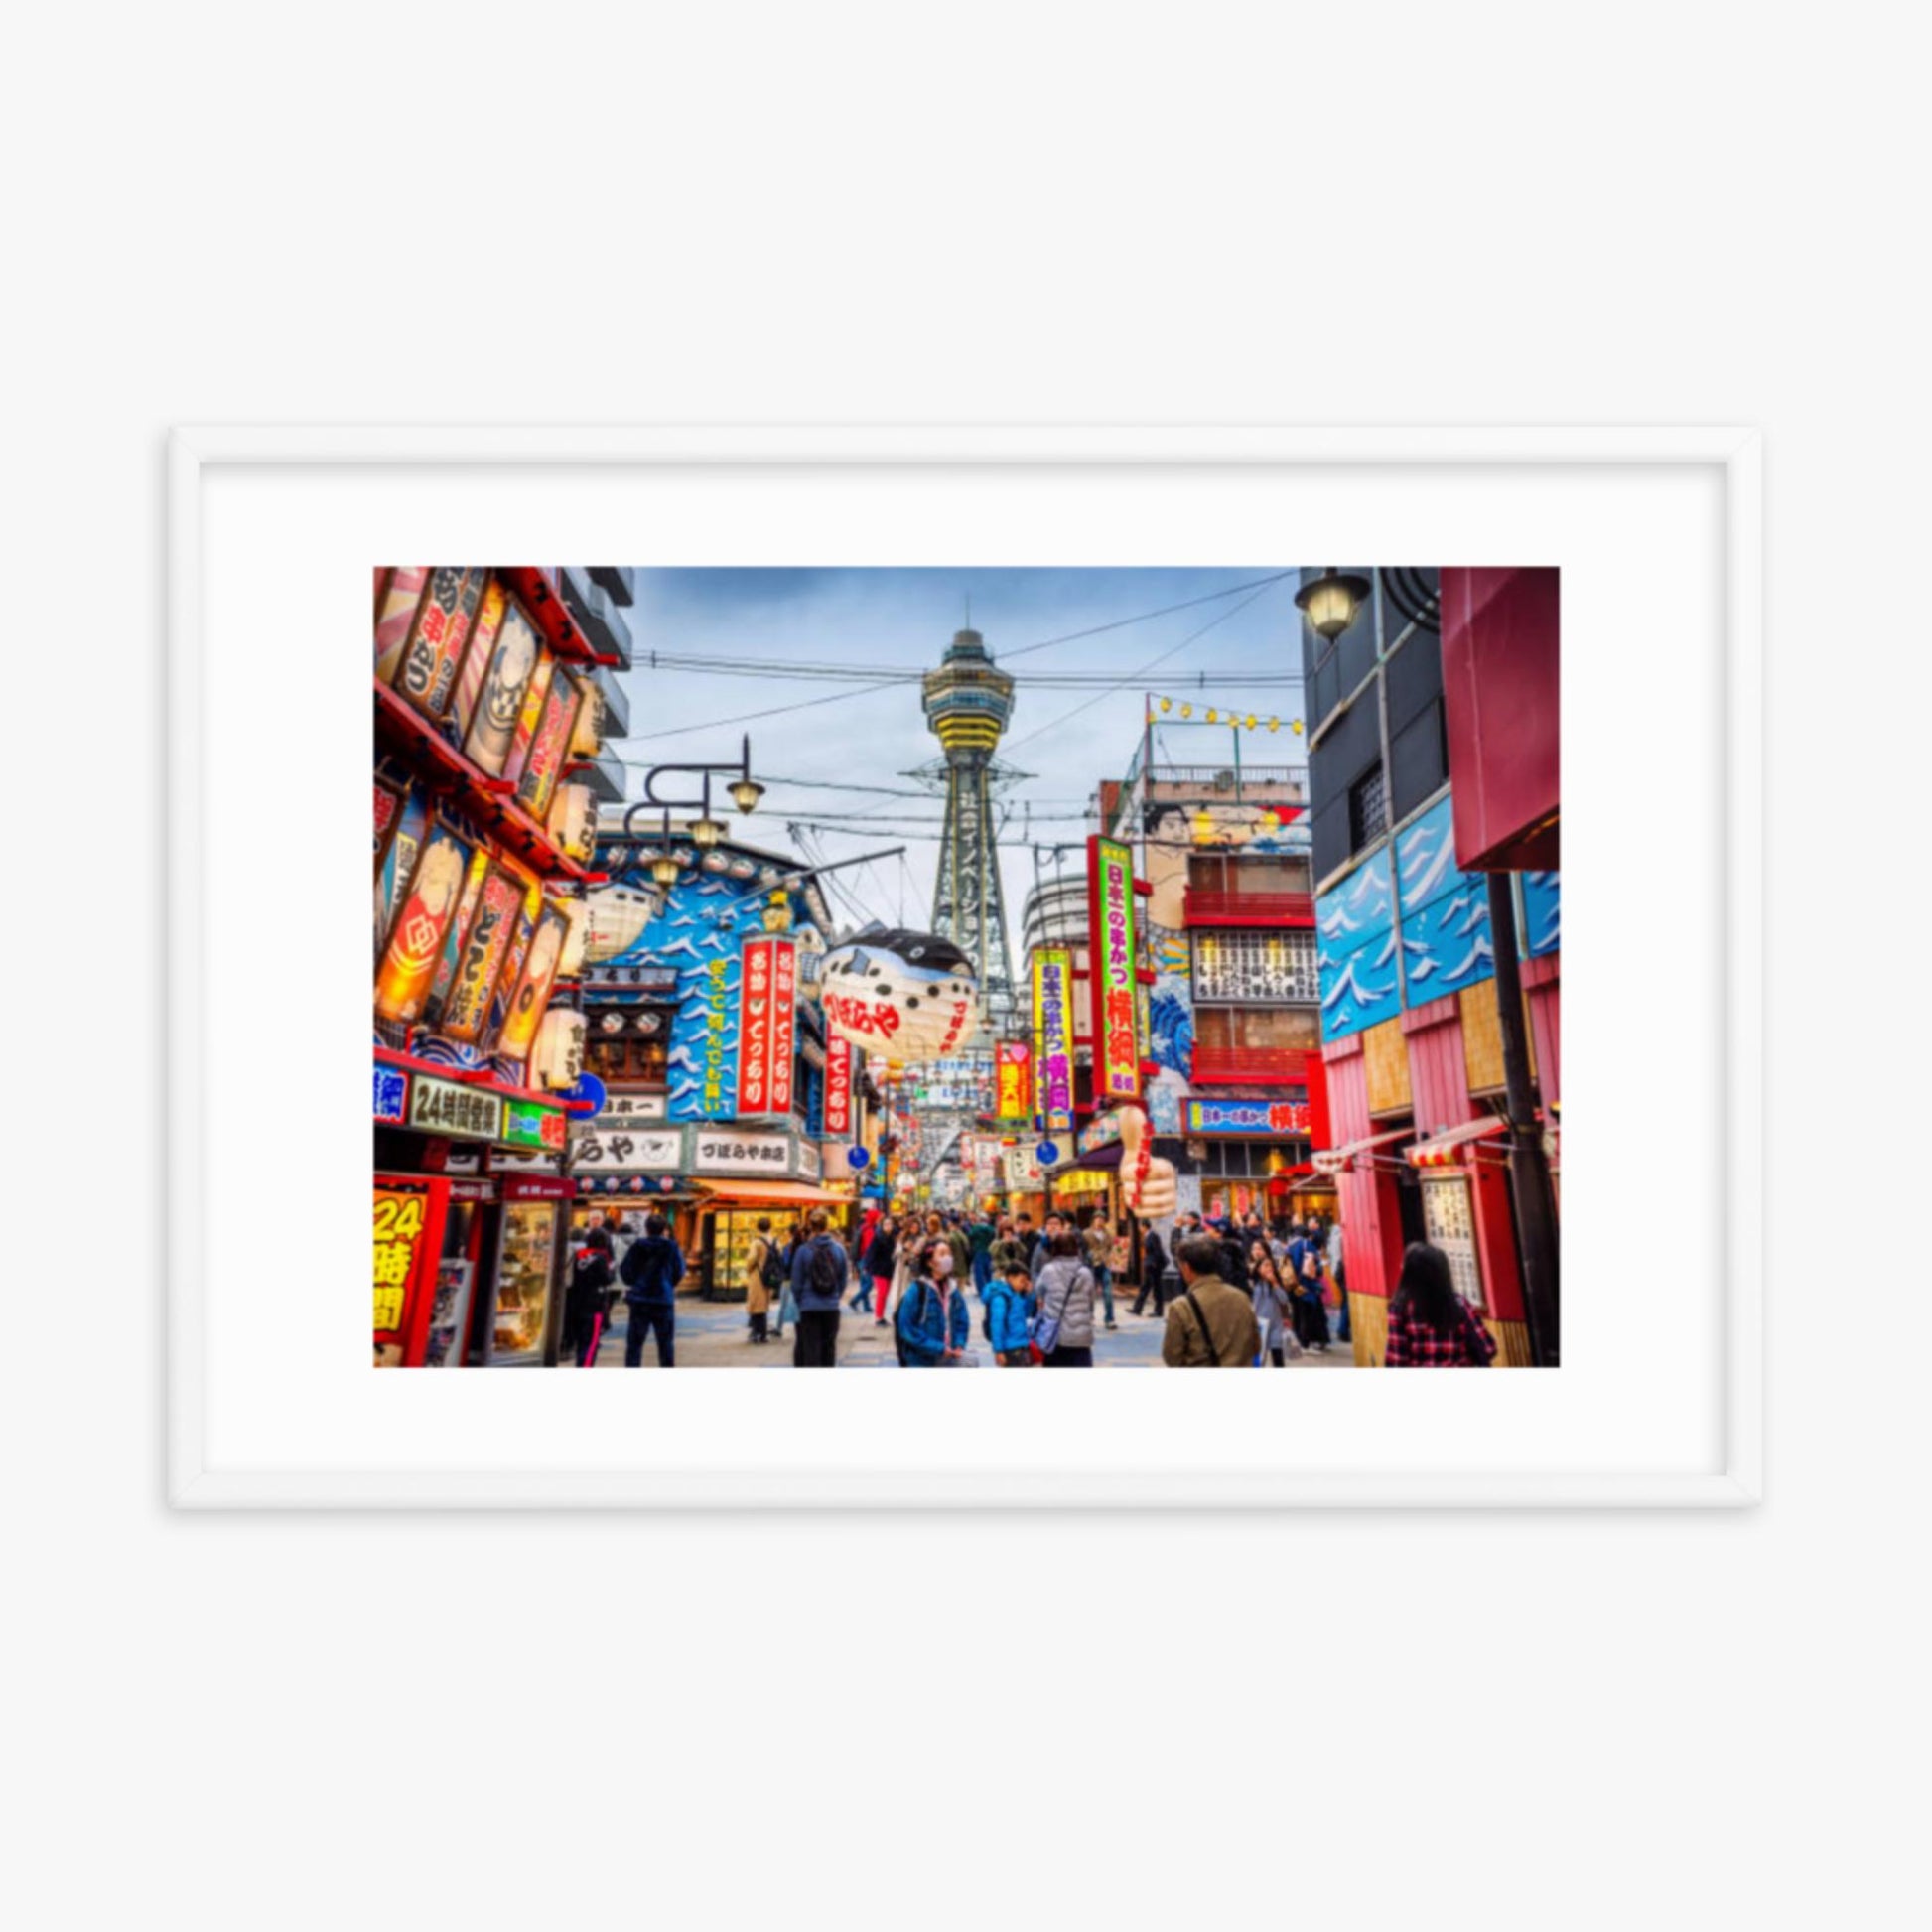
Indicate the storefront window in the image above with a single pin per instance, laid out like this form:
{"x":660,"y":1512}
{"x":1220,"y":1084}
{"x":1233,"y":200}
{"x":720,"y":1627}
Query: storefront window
{"x":523,"y":1281}
{"x":1222,"y":1028}
{"x":1241,"y":964}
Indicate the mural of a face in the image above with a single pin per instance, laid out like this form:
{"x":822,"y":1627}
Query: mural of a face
{"x":907,"y":996}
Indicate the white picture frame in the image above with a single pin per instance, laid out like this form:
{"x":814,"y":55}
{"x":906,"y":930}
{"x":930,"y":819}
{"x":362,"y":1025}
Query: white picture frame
{"x":218,"y":1458}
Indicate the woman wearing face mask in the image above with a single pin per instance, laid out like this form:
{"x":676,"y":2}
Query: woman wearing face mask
{"x":933,"y":1318}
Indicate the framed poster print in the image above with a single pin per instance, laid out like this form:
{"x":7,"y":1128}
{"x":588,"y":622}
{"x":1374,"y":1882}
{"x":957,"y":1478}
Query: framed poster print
{"x":1329,"y":858}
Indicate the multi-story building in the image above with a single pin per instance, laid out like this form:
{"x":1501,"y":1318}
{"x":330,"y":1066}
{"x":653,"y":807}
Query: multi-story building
{"x":489,"y":730}
{"x":1433,"y":769}
{"x":1237,"y":1096}
{"x":726,"y":1101}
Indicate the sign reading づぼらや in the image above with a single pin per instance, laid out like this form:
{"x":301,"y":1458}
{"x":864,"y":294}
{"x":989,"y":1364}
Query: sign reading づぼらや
{"x":747,"y":1153}
{"x":767,"y":992}
{"x":621,"y":1150}
{"x":1116,"y":980}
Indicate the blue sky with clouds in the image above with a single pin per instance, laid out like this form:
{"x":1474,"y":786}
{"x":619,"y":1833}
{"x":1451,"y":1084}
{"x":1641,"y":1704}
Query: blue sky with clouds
{"x":818,"y":738}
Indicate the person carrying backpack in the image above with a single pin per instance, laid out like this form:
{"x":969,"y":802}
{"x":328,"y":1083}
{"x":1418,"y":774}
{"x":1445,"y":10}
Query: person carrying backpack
{"x":652,"y":1268}
{"x":819,"y":1272}
{"x":1009,"y":1309}
{"x":932,"y":1328}
{"x":765,"y":1276}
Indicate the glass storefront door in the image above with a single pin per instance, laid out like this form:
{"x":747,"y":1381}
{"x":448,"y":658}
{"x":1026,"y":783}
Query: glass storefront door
{"x":523,"y":1280}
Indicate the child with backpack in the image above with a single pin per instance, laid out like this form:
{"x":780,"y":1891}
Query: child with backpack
{"x":1009,"y":1307}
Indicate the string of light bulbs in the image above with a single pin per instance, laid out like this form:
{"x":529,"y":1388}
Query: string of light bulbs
{"x":1185,"y":709}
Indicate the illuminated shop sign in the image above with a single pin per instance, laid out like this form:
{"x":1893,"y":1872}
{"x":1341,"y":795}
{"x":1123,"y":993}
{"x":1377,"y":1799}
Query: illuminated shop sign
{"x":444,"y":1107}
{"x":1277,"y":1116}
{"x":1116,"y":1003}
{"x":1053,"y":1043}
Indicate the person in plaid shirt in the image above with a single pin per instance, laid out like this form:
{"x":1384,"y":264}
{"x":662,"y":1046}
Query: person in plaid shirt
{"x":1430,"y":1324}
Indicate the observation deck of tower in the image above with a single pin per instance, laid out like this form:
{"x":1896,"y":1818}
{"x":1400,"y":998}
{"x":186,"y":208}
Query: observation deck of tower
{"x":968,"y":702}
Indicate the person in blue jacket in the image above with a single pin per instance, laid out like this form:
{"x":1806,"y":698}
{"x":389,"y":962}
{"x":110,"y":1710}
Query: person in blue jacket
{"x":1009,"y":1305}
{"x":932,"y":1316}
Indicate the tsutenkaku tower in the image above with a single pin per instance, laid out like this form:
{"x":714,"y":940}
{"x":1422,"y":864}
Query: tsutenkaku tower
{"x":967,"y":705}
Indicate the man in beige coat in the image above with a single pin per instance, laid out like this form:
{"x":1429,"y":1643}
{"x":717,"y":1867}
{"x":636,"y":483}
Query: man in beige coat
{"x":757,"y":1296}
{"x":1209,"y":1323}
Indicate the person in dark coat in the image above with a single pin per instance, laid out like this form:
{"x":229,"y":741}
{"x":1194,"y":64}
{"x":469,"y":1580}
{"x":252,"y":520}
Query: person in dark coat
{"x":820,"y":1272}
{"x":1154,"y":1269}
{"x":588,"y":1299}
{"x":652,"y":1269}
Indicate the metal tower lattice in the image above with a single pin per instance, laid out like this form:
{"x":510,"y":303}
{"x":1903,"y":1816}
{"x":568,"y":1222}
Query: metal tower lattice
{"x":967,"y":705}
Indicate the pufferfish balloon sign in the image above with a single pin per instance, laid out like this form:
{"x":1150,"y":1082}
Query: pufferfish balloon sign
{"x":902,"y":995}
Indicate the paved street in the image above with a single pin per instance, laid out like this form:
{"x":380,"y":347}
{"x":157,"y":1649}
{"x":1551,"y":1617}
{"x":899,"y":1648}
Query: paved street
{"x":714,"y":1334}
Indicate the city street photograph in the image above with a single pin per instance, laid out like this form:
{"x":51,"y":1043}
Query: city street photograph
{"x":986,"y":968}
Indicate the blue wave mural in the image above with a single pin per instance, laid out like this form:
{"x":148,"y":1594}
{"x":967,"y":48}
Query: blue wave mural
{"x":698,"y":930}
{"x":1541,"y":913}
{"x":1411,"y":896}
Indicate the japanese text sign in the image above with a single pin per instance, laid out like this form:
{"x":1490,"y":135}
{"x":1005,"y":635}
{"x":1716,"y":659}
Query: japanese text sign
{"x":1116,"y":982}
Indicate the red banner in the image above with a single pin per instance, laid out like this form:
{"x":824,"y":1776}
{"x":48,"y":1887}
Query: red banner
{"x":838,"y":1087}
{"x":768,"y":993}
{"x":1014,"y":1066}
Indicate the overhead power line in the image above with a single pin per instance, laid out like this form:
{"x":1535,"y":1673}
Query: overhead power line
{"x":1024,"y":651}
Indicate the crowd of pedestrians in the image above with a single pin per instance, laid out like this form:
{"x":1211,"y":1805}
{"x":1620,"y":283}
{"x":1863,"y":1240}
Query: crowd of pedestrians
{"x":1232,"y":1293}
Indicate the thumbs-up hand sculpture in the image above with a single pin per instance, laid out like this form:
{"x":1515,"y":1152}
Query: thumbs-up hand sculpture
{"x":1146,"y":1180}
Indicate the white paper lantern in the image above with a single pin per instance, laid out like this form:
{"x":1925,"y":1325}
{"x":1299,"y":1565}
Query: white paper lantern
{"x":908,"y":997}
{"x":573,"y":823}
{"x":586,"y":734}
{"x":569,"y":962}
{"x":558,"y":1061}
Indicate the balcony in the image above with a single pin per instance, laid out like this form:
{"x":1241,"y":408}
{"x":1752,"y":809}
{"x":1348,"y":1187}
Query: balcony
{"x":1264,"y":1066}
{"x":1203,"y":907}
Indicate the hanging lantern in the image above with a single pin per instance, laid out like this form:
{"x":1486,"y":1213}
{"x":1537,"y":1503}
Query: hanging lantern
{"x":558,"y":1061}
{"x":1166,"y":705}
{"x":1250,"y":721}
{"x":1274,"y":723}
{"x":587,"y":732}
{"x":1332,"y":601}
{"x":908,"y":997}
{"x":1213,"y":717}
{"x":1295,"y":728}
{"x":1186,"y":711}
{"x":573,"y":823}
{"x":569,"y":962}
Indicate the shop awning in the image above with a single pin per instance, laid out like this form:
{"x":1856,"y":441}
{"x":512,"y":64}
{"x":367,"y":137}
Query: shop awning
{"x":1102,"y":1159}
{"x":787,"y":1193}
{"x":1339,"y":1160}
{"x":1439,"y":1150}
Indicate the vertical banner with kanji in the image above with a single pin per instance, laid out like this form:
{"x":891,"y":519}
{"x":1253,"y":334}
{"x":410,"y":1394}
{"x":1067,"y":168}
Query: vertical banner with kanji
{"x":838,"y":1087}
{"x":408,"y":1240}
{"x":1014,"y":1071}
{"x":767,"y":993}
{"x":1053,"y":1037}
{"x":1115,"y":980}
